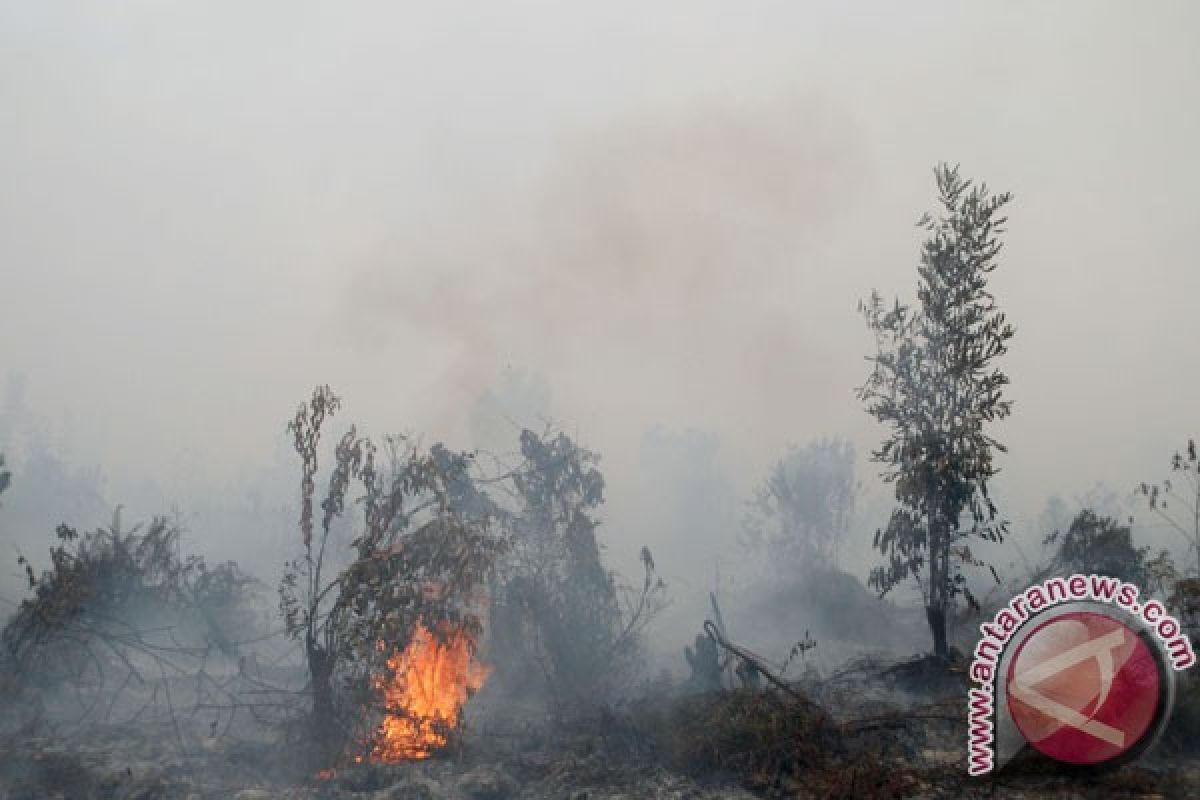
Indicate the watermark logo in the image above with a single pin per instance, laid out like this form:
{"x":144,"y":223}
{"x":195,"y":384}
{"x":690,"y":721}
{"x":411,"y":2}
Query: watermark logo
{"x":1076,"y":667}
{"x":1083,"y":688}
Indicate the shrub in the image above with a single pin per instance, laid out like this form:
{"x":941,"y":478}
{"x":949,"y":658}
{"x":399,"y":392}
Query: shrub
{"x":104,"y":585}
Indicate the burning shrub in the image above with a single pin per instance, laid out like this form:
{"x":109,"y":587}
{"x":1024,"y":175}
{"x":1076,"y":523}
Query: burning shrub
{"x":408,"y":602}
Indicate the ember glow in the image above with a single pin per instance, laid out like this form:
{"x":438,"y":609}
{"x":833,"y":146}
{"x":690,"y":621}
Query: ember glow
{"x":424,"y":690}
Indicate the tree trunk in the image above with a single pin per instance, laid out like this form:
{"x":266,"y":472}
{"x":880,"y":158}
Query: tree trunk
{"x":320,"y":672}
{"x":935,"y":601}
{"x":936,"y":616}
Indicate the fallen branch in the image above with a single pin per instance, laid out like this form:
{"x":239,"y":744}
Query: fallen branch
{"x":754,"y":661}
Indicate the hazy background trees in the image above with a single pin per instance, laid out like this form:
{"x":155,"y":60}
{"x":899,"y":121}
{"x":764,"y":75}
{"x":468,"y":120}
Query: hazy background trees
{"x":1176,"y":501}
{"x":802,"y":510}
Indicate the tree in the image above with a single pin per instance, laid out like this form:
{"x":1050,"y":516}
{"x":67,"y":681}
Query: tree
{"x":1177,"y":502}
{"x":802,"y":509}
{"x":422,"y":554}
{"x":559,"y":607}
{"x":1100,"y":545}
{"x":935,"y":384}
{"x":118,"y":593}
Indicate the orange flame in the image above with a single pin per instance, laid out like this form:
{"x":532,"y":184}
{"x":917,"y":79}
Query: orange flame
{"x":424,"y":690}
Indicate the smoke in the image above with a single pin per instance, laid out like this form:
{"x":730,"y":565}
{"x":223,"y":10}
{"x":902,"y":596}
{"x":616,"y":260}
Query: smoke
{"x":666,"y":214}
{"x":637,"y":256}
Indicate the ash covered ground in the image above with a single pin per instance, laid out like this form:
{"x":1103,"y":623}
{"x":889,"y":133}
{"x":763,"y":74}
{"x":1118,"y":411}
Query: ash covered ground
{"x":735,"y":744}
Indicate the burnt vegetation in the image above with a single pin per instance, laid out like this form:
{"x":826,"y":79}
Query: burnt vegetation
{"x":419,"y":556}
{"x":560,"y":614}
{"x":448,"y":623}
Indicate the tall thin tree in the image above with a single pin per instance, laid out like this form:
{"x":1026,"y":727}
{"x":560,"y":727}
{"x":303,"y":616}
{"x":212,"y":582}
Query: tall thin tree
{"x":935,"y":384}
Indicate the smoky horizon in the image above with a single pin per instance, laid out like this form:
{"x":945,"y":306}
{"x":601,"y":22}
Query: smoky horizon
{"x":650,"y":226}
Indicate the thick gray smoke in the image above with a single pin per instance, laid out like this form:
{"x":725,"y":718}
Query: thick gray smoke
{"x":663,"y":218}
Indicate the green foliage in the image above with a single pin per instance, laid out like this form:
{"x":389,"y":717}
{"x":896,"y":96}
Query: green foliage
{"x":936,"y":386}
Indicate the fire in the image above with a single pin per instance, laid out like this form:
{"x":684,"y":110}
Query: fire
{"x":424,"y":690}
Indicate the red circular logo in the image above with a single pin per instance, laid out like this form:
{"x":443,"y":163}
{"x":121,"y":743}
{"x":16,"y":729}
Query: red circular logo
{"x":1083,"y":688}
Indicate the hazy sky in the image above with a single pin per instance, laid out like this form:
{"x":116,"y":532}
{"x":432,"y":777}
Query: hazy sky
{"x":668,"y":210}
